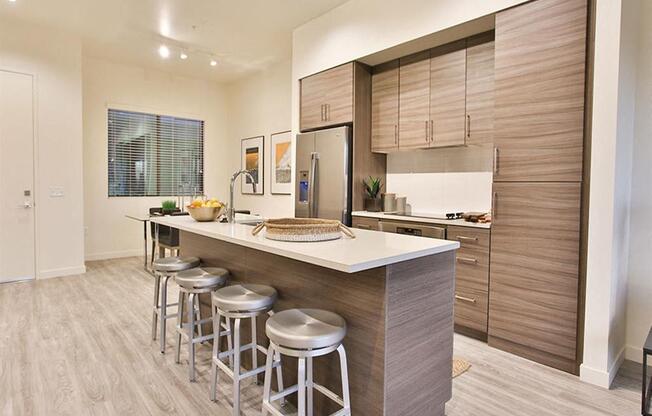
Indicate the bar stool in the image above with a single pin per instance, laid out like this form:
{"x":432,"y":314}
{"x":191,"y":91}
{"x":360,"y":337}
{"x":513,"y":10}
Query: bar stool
{"x":305,"y":334}
{"x":192,"y":283}
{"x":237,"y":302}
{"x":164,"y":268}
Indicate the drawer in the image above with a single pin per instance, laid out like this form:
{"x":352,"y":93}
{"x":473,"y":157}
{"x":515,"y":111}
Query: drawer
{"x":471,"y":309}
{"x":471,"y":238}
{"x":365,"y":223}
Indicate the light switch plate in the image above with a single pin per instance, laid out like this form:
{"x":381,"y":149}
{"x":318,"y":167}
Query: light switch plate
{"x":56,"y":192}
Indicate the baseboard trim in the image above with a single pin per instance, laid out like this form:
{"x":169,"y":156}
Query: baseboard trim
{"x":602,"y":378}
{"x":65,"y":271}
{"x":113,"y":255}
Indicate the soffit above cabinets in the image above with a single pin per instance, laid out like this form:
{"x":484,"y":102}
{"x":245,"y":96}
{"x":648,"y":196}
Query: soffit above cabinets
{"x":464,"y":30}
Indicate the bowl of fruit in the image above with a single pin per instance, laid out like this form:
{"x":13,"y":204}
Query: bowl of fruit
{"x":204,"y":210}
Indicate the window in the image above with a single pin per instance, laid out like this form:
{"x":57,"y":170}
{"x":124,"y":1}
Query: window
{"x":155,"y":155}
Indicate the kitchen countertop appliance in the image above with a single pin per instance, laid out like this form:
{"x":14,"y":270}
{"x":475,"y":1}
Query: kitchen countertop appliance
{"x":323,"y":175}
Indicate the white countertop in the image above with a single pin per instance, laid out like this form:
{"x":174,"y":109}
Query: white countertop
{"x":425,"y":220}
{"x":368,"y":250}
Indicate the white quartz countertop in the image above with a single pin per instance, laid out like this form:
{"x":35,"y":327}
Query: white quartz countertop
{"x":425,"y":220}
{"x":368,"y":250}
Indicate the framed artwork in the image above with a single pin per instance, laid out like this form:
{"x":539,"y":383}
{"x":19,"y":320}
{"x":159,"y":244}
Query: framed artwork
{"x":281,"y":169}
{"x":253,"y":156}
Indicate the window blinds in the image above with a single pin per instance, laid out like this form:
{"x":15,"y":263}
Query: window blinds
{"x":154,"y":155}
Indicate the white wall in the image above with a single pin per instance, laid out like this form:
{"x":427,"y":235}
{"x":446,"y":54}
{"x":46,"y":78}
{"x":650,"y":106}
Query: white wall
{"x":259,"y":105}
{"x":611,"y":160}
{"x":108,"y":233}
{"x":54,"y":58}
{"x":639,"y":307}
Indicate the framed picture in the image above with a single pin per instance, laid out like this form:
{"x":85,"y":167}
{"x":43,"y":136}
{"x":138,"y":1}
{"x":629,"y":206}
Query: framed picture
{"x":253,"y":156}
{"x":281,"y":169}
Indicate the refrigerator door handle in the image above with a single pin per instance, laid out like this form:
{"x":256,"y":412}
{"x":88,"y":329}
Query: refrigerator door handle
{"x":313,"y":203}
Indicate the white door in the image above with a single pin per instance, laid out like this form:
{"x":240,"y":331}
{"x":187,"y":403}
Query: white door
{"x":17,"y":255}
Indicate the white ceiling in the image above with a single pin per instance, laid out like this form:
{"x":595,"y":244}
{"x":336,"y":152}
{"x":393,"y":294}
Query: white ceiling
{"x":243,"y":35}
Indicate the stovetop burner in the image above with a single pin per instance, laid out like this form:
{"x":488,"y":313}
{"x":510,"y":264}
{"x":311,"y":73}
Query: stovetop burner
{"x":445,"y":216}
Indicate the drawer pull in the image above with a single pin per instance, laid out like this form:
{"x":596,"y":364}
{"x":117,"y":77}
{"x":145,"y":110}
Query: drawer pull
{"x":465,"y":299}
{"x":464,"y":238}
{"x":467,"y":260}
{"x":363,"y":226}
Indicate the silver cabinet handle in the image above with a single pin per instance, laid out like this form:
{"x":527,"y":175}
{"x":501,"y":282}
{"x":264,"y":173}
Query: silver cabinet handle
{"x":364,"y":227}
{"x":27,"y":205}
{"x":313,"y":208}
{"x":395,"y":134}
{"x":328,"y":111}
{"x":496,"y":155}
{"x":465,"y":238}
{"x":469,"y":260}
{"x":321,"y":115}
{"x":432,"y":130}
{"x":465,"y":299}
{"x":494,"y":200}
{"x":468,"y":126}
{"x":427,"y":135}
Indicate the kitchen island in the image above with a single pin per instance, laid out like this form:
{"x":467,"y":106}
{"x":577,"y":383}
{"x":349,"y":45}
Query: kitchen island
{"x":395,"y":292}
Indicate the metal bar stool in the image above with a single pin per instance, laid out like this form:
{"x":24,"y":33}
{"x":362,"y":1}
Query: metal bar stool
{"x":192,"y":283}
{"x":164,"y":268}
{"x":305,"y":334}
{"x":237,"y":302}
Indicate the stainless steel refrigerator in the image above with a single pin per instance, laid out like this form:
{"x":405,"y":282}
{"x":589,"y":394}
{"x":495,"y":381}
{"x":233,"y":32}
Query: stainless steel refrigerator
{"x":323,"y":175}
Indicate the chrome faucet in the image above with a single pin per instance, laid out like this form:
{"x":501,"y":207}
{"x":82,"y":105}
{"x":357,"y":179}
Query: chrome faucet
{"x":230,"y":216}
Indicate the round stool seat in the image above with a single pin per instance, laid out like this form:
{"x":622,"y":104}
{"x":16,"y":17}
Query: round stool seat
{"x":306,"y":328}
{"x":202,"y":277}
{"x":175,"y":264}
{"x":245,"y":297}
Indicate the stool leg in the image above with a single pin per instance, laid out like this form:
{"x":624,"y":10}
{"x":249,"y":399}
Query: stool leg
{"x":217,"y":327}
{"x":229,"y":339}
{"x":164,"y":311}
{"x":200,"y":331}
{"x":279,"y":376}
{"x":301,"y":377}
{"x":157,"y":291}
{"x":254,"y":350}
{"x":309,"y":384}
{"x":345,"y":379}
{"x":182,"y":296}
{"x":191,"y":335}
{"x":267,"y":385}
{"x":236,"y":367}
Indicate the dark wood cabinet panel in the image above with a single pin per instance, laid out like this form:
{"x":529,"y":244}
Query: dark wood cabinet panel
{"x":480,"y":90}
{"x":539,"y":96}
{"x":534,"y":271}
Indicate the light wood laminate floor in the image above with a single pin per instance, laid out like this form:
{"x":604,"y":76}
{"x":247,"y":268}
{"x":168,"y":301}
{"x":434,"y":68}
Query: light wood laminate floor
{"x":80,"y":345}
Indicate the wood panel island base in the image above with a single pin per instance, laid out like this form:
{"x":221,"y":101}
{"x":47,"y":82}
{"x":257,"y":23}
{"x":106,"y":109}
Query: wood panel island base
{"x":399,"y":314}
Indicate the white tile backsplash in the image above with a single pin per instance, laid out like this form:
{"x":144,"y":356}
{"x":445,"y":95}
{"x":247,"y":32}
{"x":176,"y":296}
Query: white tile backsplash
{"x":440,"y":192}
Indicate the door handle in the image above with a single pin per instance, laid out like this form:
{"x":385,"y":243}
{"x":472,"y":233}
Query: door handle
{"x":465,"y":238}
{"x":432,"y":130}
{"x":493,"y":207}
{"x":27,"y":205}
{"x":468,"y":260}
{"x":468,"y":126}
{"x":322,"y":112}
{"x":496,"y":155}
{"x":427,"y":136}
{"x":465,"y":299}
{"x":313,"y":207}
{"x":395,"y":134}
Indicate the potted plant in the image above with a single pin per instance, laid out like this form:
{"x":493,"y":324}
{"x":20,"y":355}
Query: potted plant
{"x":168,"y":207}
{"x":372,"y":202}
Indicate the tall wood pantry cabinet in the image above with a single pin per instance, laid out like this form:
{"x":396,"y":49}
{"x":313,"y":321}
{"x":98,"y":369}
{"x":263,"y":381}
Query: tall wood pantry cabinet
{"x":538,"y":138}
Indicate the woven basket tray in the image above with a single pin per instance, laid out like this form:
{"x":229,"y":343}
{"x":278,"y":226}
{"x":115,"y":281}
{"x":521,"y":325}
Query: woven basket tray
{"x":303,"y":229}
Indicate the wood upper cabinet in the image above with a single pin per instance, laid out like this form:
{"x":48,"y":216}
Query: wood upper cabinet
{"x":327,"y":98}
{"x":480,"y":90}
{"x":448,"y":95}
{"x":384,"y":107}
{"x":414,"y":101}
{"x":539,"y":96}
{"x":534,"y":271}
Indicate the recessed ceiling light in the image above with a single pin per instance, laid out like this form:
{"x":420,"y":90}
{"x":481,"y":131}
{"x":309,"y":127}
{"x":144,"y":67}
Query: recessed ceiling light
{"x":164,"y":51}
{"x":213,"y":62}
{"x":183,"y":56}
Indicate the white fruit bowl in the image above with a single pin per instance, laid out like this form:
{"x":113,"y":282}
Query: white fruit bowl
{"x":205,"y":214}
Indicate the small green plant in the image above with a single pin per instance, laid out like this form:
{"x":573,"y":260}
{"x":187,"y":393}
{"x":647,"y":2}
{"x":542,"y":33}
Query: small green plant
{"x":372,"y":187}
{"x":169,"y":205}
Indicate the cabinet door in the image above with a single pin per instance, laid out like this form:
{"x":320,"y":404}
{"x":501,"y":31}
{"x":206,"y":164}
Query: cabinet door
{"x":448,"y":95}
{"x":414,"y":101}
{"x":534,"y":271}
{"x":327,"y":98}
{"x":539,"y":80}
{"x":480,"y":90}
{"x":384,"y":107}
